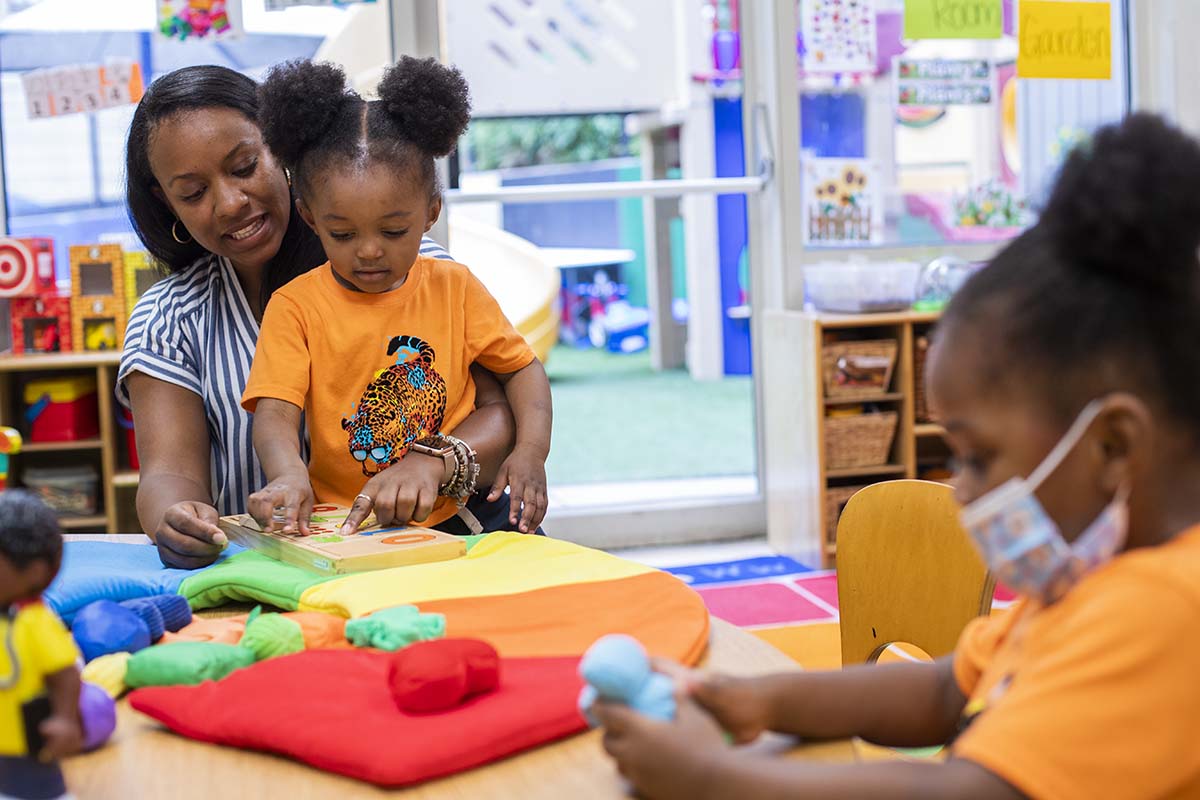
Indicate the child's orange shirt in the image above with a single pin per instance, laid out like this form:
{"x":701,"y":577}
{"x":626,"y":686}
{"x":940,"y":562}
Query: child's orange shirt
{"x":375,"y":372}
{"x":1097,"y":695}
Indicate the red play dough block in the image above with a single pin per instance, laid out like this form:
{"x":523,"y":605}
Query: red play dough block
{"x":334,"y":709}
{"x":440,"y":674}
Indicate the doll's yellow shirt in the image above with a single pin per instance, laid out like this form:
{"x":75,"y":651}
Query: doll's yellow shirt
{"x":42,"y":646}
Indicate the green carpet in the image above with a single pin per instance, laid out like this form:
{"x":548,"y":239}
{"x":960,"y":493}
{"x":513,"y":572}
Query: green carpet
{"x":616,"y":419}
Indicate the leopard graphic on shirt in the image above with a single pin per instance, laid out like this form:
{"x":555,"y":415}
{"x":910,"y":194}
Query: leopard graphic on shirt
{"x":405,"y":403}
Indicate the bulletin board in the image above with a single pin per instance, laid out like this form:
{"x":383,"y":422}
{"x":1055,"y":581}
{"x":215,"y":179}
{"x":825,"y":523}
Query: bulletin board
{"x":533,"y":57}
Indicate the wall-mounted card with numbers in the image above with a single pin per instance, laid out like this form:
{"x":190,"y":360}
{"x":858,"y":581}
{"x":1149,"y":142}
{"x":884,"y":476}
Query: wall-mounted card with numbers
{"x":81,"y":88}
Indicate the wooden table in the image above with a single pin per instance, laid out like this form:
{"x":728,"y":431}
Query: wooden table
{"x":145,"y":760}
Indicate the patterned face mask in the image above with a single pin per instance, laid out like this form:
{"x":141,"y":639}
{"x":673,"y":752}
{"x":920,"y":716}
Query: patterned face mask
{"x":1023,"y":546}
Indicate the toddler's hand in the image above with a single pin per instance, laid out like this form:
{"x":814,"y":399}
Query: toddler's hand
{"x":405,"y":490}
{"x":285,"y":502}
{"x":524,"y":473}
{"x":63,"y":735}
{"x":737,"y":704}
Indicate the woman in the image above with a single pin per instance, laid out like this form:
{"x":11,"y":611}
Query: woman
{"x":211,"y":204}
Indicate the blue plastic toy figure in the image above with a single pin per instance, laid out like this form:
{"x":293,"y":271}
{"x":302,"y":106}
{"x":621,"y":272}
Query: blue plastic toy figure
{"x":617,"y":668}
{"x":39,"y":681}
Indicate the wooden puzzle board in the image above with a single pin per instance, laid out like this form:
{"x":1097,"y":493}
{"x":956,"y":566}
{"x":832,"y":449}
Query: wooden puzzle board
{"x":327,"y":552}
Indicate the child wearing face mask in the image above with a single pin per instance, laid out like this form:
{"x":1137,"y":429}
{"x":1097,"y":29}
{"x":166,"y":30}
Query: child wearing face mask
{"x":1067,"y":375}
{"x":376,"y":346}
{"x":39,"y":679}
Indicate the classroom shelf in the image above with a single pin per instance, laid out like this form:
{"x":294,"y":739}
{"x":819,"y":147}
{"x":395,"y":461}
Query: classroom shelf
{"x":803,"y":496}
{"x":108,"y":445}
{"x":56,"y":447}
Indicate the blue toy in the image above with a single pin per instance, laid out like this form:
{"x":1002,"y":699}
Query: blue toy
{"x":617,"y":668}
{"x":149,"y":614}
{"x":106,"y":627}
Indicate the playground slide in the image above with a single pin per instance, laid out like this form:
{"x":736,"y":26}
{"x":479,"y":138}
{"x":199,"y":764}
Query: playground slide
{"x":514,"y":270}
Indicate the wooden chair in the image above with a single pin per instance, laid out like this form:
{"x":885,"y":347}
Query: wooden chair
{"x":906,"y":571}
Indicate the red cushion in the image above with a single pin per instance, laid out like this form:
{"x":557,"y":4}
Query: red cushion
{"x":442,"y":673}
{"x":334,"y":709}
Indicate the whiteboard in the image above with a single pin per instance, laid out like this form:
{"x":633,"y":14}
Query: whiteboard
{"x":526,"y":57}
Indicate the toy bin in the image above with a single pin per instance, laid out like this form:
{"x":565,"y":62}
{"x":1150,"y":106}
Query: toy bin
{"x":62,"y":409}
{"x":125,"y":420}
{"x":69,"y":491}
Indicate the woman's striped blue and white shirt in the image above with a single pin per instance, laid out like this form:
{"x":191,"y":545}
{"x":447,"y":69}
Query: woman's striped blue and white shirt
{"x":195,"y":329}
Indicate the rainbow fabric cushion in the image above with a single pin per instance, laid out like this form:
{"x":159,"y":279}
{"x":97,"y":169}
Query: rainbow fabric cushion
{"x":540,"y":602}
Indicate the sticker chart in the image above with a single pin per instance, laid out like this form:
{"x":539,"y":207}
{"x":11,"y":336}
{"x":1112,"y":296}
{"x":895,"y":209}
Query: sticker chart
{"x":327,"y":552}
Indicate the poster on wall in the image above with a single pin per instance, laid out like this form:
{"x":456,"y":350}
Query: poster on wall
{"x":206,"y":20}
{"x":944,"y":82}
{"x":839,"y":36}
{"x":280,"y":5}
{"x":843,"y":201}
{"x":1071,"y":40}
{"x":80,"y":88}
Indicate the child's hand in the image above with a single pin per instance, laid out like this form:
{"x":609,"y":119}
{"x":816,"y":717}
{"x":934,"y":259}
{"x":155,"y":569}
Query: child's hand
{"x":405,"y":490}
{"x":290,"y":498}
{"x":662,"y":759}
{"x":524,"y":473}
{"x":738,"y":704}
{"x":63,"y":735}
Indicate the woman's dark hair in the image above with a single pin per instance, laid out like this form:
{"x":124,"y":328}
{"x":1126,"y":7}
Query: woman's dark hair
{"x":193,"y":89}
{"x":29,"y":530}
{"x":311,"y":120}
{"x":1103,"y":293}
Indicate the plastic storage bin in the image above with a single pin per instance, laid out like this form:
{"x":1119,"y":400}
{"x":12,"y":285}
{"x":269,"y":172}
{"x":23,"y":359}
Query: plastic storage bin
{"x":62,"y":409}
{"x":860,"y":288}
{"x":70,"y":491}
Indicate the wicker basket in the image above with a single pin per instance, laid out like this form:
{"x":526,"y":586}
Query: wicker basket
{"x":858,"y":369}
{"x":835,"y":500}
{"x":864,"y":440}
{"x":920,"y":353}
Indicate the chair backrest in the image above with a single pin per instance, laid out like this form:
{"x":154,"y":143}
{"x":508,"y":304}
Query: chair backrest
{"x":906,"y":571}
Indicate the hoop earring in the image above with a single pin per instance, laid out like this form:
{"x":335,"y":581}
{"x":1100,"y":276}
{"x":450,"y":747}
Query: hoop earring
{"x":175,"y":235}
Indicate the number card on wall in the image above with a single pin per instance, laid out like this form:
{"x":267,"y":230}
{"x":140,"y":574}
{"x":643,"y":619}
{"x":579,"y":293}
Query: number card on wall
{"x":81,"y":88}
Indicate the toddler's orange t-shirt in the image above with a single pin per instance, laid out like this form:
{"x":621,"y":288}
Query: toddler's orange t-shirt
{"x":375,"y":372}
{"x":1097,"y":695}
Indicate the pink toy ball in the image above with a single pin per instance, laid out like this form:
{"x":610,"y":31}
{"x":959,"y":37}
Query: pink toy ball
{"x":99,"y":714}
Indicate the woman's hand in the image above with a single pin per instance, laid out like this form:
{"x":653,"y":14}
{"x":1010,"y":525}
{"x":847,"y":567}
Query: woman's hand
{"x":187,"y":537}
{"x":287,"y":500}
{"x":405,"y":491}
{"x":524,"y":473}
{"x":662,"y":759}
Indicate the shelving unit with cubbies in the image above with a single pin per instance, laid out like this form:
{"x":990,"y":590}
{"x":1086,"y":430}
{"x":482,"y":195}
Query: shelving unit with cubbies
{"x":804,"y":492}
{"x":107,"y":452}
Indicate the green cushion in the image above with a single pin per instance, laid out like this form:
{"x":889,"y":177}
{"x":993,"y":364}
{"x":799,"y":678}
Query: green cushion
{"x":185,"y":663}
{"x":249,"y":577}
{"x":271,"y":635}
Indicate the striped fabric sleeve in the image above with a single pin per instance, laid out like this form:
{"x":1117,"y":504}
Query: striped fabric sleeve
{"x":431,"y":248}
{"x":156,"y":342}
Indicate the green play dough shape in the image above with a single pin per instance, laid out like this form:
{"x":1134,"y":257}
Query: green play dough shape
{"x":271,"y":635}
{"x":393,"y":628}
{"x":250,"y":577}
{"x":185,"y":663}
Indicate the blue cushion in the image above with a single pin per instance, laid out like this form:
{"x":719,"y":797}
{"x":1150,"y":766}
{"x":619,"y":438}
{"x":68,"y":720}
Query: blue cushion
{"x":112,"y":571}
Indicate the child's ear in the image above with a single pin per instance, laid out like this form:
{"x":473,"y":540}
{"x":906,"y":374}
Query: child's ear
{"x":1127,"y":433}
{"x":434,"y":211}
{"x":306,"y":214}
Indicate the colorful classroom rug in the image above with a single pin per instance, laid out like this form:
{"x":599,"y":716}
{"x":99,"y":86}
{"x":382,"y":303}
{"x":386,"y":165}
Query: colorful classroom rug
{"x":785,"y":603}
